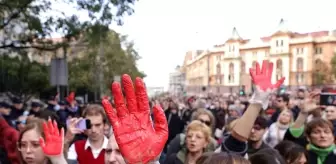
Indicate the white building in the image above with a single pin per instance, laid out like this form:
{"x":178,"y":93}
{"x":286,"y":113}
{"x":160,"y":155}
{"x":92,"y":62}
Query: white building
{"x":177,"y":81}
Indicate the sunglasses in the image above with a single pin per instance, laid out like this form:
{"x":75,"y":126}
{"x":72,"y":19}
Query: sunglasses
{"x":205,"y":122}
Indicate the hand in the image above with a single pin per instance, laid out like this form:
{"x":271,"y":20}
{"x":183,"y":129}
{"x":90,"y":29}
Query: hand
{"x":71,"y":98}
{"x":138,"y":140}
{"x":262,"y":79}
{"x":309,"y":104}
{"x":72,"y":130}
{"x":52,"y":145}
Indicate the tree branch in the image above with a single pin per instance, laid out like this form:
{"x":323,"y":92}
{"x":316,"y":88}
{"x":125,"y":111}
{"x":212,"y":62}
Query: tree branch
{"x":14,"y":15}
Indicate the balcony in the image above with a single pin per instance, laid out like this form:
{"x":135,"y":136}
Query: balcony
{"x":231,"y":57}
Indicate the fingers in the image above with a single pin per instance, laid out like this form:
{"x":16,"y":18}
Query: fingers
{"x":264,"y":67}
{"x":46,"y":130}
{"x":279,"y":82}
{"x":110,"y":113}
{"x":129,"y":93}
{"x":62,"y":133}
{"x":141,"y":95}
{"x":258,"y":68}
{"x":119,"y":100}
{"x":160,"y":125}
{"x":55,"y":127}
{"x":42,"y":143}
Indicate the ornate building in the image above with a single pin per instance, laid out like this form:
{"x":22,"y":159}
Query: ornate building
{"x":300,"y":57}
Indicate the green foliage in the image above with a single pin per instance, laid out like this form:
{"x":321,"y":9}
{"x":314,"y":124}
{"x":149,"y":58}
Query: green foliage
{"x":115,"y":61}
{"x":20,"y":76}
{"x":319,"y":78}
{"x":27,"y":23}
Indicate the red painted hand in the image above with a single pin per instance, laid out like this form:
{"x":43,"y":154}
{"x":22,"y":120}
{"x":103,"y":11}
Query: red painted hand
{"x":52,"y":145}
{"x":71,"y":97}
{"x":138,"y":140}
{"x":262,"y":78}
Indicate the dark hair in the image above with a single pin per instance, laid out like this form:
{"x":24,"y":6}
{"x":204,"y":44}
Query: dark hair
{"x":221,"y":158}
{"x":261,"y":121}
{"x":46,"y":114}
{"x":290,"y":151}
{"x":267,"y":156}
{"x":285,"y":97}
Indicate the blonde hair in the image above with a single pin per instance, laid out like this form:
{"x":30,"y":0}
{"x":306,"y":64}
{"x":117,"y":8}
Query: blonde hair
{"x":199,"y":126}
{"x":288,"y":111}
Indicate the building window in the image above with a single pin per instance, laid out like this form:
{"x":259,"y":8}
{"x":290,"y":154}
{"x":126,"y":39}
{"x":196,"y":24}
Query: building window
{"x":318,"y":50}
{"x":299,"y":64}
{"x":299,"y":78}
{"x":242,"y":67}
{"x":231,"y":73}
{"x":281,"y":44}
{"x":218,"y":57}
{"x":299,"y":50}
{"x":277,"y":43}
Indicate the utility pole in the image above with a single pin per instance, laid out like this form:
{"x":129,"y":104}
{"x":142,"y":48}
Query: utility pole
{"x":100,"y":59}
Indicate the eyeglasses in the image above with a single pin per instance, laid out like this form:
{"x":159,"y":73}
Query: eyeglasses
{"x":206,"y":122}
{"x":23,"y":146}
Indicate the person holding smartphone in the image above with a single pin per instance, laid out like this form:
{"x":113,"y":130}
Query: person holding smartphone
{"x":91,"y":150}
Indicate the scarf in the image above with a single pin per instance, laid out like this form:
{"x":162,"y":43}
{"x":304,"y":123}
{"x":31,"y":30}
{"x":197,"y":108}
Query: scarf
{"x":321,"y":153}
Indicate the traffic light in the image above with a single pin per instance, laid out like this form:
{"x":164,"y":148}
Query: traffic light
{"x":242,"y":91}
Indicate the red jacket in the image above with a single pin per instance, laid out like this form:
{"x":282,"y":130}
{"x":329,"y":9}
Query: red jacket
{"x":86,"y":156}
{"x":8,"y":139}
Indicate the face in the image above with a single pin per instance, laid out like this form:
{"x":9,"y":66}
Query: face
{"x":285,"y":117}
{"x":233,"y":113}
{"x":5,"y":111}
{"x":331,"y":113}
{"x":112,"y":153}
{"x":30,"y":149}
{"x":96,"y":132}
{"x":301,"y":94}
{"x":18,"y":106}
{"x":257,"y":133}
{"x":301,"y":160}
{"x":204,"y":119}
{"x":322,"y":137}
{"x":196,"y":141}
{"x":280,"y":103}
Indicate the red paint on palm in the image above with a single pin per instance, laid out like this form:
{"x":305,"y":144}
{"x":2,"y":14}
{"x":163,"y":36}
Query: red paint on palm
{"x":263,"y":77}
{"x":52,"y":144}
{"x":138,"y":140}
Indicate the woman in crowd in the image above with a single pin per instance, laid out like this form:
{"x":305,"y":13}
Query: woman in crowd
{"x":277,"y":130}
{"x":197,"y":139}
{"x":291,"y":152}
{"x":40,"y":143}
{"x":222,"y":158}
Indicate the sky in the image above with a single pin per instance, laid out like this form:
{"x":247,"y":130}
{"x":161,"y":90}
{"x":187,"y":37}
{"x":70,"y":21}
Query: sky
{"x":163,"y":30}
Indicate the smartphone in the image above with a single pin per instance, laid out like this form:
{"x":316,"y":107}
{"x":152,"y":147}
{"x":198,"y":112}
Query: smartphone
{"x":83,"y":124}
{"x":328,"y":99}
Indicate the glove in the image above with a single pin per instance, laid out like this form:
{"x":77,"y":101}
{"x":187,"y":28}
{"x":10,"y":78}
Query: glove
{"x":52,"y":146}
{"x":138,"y":140}
{"x":262,"y":80}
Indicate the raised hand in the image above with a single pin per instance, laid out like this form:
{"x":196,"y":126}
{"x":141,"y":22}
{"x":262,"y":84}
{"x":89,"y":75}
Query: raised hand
{"x":262,"y":79}
{"x":138,"y":140}
{"x":52,"y":145}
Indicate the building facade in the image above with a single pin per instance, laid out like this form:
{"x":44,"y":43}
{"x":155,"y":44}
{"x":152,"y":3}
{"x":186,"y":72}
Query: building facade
{"x":303,"y":58}
{"x":177,"y":81}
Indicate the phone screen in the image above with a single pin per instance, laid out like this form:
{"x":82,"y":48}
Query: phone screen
{"x":328,"y":99}
{"x":83,"y":124}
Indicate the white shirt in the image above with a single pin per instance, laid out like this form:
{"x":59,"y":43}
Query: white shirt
{"x":72,"y":154}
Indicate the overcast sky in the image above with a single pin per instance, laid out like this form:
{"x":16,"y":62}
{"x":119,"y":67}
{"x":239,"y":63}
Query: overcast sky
{"x":163,"y":30}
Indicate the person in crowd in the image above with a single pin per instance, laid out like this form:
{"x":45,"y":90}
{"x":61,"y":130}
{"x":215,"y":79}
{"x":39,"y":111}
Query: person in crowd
{"x":235,"y":110}
{"x":92,"y":149}
{"x":35,"y":109}
{"x":277,"y":130}
{"x":17,"y":109}
{"x":222,"y":158}
{"x":41,"y":143}
{"x":206,"y":117}
{"x":291,"y":152}
{"x":317,"y":136}
{"x":175,"y":123}
{"x":112,"y":152}
{"x":267,"y":156}
{"x":331,"y":116}
{"x":5,"y":111}
{"x":197,"y":139}
{"x":282,"y":102}
{"x":8,"y":139}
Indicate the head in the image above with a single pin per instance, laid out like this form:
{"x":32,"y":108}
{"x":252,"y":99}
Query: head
{"x":221,"y":158}
{"x":331,"y":113}
{"x":17,"y":103}
{"x":267,"y":156}
{"x":301,"y":93}
{"x":4,"y":109}
{"x":28,"y":144}
{"x":258,"y":130}
{"x":198,"y":136}
{"x":292,"y":152}
{"x":204,"y":116}
{"x":35,"y":106}
{"x":112,"y":153}
{"x":285,"y":117}
{"x":319,"y":132}
{"x":235,"y":110}
{"x":282,"y":101}
{"x":96,"y":115}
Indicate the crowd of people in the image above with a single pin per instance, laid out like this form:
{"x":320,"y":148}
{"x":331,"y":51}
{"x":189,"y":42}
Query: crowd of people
{"x":266,"y":127}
